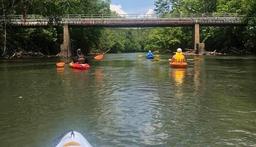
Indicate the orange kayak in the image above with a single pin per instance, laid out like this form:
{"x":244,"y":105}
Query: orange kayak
{"x":178,"y":64}
{"x":99,"y":57}
{"x":79,"y":66}
{"x":60,"y":64}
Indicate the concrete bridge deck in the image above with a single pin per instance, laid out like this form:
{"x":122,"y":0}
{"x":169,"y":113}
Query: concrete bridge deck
{"x":122,"y":21}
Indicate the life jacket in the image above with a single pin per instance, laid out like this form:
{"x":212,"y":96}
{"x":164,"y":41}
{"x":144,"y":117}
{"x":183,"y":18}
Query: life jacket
{"x":178,"y":57}
{"x":150,"y":54}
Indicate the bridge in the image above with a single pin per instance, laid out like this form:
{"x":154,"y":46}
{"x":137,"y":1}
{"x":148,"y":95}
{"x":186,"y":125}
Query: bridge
{"x":81,"y":20}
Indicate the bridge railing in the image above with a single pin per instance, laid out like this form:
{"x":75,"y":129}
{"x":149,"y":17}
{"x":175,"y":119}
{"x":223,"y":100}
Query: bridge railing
{"x":29,"y":18}
{"x":192,"y":15}
{"x":150,"y":16}
{"x":37,"y":20}
{"x":127,"y":16}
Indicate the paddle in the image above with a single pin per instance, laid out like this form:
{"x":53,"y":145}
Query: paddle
{"x":101,"y":56}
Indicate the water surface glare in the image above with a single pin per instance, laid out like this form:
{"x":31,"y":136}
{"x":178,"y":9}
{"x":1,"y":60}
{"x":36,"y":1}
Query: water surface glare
{"x":127,"y":100}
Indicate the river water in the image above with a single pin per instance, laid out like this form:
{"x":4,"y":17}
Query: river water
{"x":127,"y":100}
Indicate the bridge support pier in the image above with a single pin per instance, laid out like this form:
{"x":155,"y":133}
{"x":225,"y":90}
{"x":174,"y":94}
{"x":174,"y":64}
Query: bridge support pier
{"x":198,"y":47}
{"x":65,"y":47}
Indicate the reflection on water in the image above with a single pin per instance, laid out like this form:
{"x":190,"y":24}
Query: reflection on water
{"x":129,"y":101}
{"x":198,"y":69}
{"x":99,"y":74}
{"x":60,"y":70}
{"x":178,"y":74}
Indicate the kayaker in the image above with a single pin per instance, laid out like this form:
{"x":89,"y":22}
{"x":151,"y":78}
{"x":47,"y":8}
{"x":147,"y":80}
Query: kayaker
{"x":80,"y":56}
{"x":150,"y":55}
{"x":179,"y":56}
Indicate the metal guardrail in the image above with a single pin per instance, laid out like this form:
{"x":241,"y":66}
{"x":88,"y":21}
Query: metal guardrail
{"x":123,"y":20}
{"x":133,"y":16}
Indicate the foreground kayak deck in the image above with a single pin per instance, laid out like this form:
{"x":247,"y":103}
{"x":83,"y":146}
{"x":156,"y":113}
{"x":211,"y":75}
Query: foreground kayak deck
{"x":73,"y":139}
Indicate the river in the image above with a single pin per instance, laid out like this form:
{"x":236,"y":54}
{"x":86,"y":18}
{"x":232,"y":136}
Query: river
{"x":127,"y":100}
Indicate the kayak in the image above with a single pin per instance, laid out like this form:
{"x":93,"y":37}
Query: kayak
{"x":157,"y":58}
{"x":79,"y":66}
{"x":150,"y":57}
{"x":60,"y":64}
{"x":178,"y":64}
{"x":73,"y":139}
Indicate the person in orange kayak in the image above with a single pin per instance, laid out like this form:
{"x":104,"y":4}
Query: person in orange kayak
{"x":179,"y":56}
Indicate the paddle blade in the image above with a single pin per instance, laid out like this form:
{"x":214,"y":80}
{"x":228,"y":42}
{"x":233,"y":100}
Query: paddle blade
{"x":99,"y":57}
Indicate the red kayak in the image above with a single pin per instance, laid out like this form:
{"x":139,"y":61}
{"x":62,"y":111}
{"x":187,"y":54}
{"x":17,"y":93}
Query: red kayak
{"x":178,"y":64}
{"x":79,"y":66}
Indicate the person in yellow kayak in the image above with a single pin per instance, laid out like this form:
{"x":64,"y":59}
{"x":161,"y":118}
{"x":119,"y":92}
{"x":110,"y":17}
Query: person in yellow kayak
{"x":179,"y":56}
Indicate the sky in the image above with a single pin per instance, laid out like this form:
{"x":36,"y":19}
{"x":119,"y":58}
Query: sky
{"x":132,"y":6}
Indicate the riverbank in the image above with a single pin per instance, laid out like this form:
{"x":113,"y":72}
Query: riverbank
{"x":38,"y":55}
{"x":206,"y":53}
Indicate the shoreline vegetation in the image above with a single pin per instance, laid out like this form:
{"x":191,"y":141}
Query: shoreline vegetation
{"x":38,"y":55}
{"x":46,"y":42}
{"x":187,"y":52}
